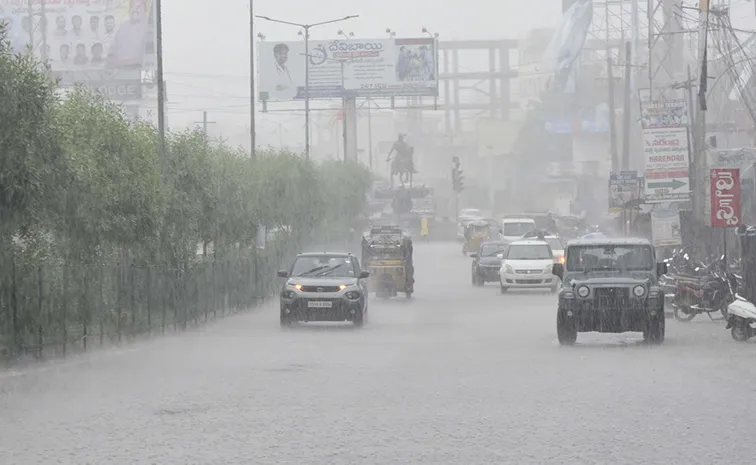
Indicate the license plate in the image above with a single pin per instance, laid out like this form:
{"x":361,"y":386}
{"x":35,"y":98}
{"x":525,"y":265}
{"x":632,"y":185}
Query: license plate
{"x":316,"y":304}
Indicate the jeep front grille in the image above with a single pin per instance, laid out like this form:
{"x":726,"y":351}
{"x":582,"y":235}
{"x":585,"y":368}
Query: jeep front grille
{"x":612,"y":296}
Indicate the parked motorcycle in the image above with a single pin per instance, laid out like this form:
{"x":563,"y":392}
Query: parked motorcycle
{"x":741,"y":319}
{"x":710,"y":292}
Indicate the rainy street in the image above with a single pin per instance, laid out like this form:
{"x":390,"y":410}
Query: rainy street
{"x":458,"y":375}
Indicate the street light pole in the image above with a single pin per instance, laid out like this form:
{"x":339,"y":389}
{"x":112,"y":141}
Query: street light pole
{"x":307,"y":91}
{"x":306,"y":28}
{"x":160,"y":86}
{"x":252,"y":79}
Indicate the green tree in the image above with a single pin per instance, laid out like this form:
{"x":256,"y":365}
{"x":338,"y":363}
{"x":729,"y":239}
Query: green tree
{"x":30,"y":154}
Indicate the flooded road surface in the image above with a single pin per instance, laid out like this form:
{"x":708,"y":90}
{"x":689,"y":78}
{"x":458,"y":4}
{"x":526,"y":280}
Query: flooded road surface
{"x":457,"y":375}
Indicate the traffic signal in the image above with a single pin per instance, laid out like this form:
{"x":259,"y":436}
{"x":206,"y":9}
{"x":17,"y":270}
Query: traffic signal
{"x":457,"y":178}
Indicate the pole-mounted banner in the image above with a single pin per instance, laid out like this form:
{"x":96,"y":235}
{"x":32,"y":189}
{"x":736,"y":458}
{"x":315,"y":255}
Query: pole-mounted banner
{"x":725,"y":197}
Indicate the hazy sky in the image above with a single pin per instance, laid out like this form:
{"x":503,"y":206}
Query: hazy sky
{"x":207,"y":46}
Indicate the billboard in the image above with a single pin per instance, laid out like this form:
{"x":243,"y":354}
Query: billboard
{"x":348,"y":68}
{"x":664,"y":114}
{"x":667,"y":165}
{"x":623,"y":187}
{"x":83,"y":35}
{"x":665,"y":226}
{"x":725,"y":197}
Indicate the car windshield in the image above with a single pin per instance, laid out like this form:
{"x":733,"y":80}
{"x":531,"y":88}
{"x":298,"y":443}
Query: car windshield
{"x":529,"y":252}
{"x":610,"y":257}
{"x":489,"y":250}
{"x":517,"y":229}
{"x":555,"y":243}
{"x":323,"y":265}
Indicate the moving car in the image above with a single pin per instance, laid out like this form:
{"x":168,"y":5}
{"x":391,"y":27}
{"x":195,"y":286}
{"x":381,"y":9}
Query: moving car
{"x":324,"y":287}
{"x":555,"y":242}
{"x":527,"y":264}
{"x":610,"y":286}
{"x":487,"y":261}
{"x":513,"y":228}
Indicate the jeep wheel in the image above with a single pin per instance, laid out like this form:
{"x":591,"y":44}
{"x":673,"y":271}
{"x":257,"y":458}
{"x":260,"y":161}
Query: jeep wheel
{"x":359,"y":319}
{"x":477,"y":280}
{"x":654,"y":332}
{"x":285,"y":320}
{"x":566,"y":328}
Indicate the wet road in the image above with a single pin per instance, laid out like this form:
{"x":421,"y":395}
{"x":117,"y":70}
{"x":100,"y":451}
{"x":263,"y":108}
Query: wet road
{"x":459,"y":375}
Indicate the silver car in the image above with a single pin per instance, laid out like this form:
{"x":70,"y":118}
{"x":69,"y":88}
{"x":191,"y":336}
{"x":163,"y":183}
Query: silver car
{"x":324,"y":286}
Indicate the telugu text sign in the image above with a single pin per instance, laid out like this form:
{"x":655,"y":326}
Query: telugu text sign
{"x":666,"y":165}
{"x":725,"y":197}
{"x":83,"y":34}
{"x":348,"y":68}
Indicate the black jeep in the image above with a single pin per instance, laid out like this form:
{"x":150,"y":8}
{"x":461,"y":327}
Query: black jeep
{"x":610,"y":286}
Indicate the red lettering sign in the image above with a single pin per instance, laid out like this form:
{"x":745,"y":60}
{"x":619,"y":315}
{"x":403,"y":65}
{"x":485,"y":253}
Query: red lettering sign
{"x":725,"y":197}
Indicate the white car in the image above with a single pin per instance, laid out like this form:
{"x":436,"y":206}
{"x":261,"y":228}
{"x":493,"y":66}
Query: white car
{"x":555,"y":242}
{"x":514,"y":228}
{"x":557,"y":248}
{"x":527,"y":264}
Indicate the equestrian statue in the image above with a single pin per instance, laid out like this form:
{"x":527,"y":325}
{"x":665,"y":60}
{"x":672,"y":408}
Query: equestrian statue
{"x":401,"y":163}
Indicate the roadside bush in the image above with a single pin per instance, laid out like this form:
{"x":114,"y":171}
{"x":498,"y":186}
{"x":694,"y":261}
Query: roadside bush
{"x":100,"y":237}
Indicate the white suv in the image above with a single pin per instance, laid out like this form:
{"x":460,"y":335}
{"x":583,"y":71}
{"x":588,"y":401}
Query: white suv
{"x":527,"y":264}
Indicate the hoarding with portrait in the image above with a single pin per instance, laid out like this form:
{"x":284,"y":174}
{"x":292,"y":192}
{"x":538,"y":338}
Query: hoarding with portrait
{"x":348,"y":68}
{"x":83,"y":35}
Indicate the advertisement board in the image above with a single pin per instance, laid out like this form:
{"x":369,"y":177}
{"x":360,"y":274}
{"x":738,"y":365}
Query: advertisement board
{"x":665,"y":226}
{"x":664,"y":114}
{"x":623,"y":187}
{"x":83,"y":34}
{"x":666,"y":165}
{"x":348,"y":68}
{"x":725,"y":197}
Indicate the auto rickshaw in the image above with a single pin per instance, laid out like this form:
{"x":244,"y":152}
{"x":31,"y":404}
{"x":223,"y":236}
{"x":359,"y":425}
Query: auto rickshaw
{"x":387,"y":254}
{"x":476,"y":232}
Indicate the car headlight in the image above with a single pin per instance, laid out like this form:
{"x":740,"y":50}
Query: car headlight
{"x":508,"y":269}
{"x":583,"y":291}
{"x":639,"y":291}
{"x":548,"y":269}
{"x":352,"y":295}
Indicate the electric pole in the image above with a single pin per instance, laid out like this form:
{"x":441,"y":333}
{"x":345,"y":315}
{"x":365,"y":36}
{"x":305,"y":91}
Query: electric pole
{"x":626,"y":108}
{"x":700,"y":126}
{"x":612,"y":116}
{"x":204,"y":122}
